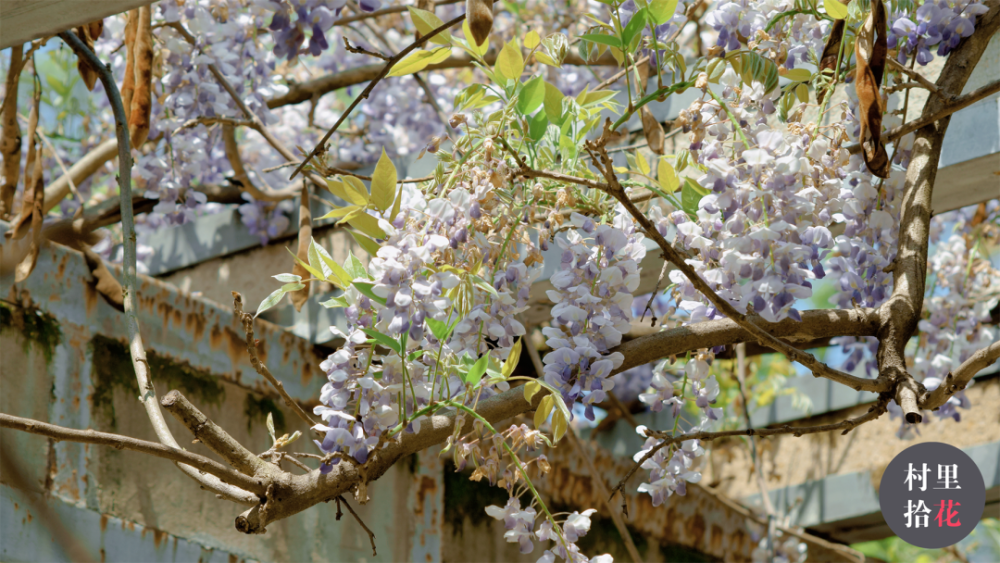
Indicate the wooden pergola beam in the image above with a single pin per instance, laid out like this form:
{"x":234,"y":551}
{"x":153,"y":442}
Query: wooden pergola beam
{"x":24,"y":20}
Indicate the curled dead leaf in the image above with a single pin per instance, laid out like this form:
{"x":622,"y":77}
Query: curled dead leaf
{"x":10,"y":134}
{"x":871,"y":49}
{"x":828,"y":61}
{"x":88,"y":33}
{"x":142,"y":96}
{"x":305,"y":238}
{"x":653,"y":130}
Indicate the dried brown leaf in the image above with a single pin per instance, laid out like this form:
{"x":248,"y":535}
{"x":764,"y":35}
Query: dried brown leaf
{"x":102,"y":280}
{"x":128,"y":82}
{"x":10,"y":134}
{"x":305,"y":237}
{"x":142,"y":96}
{"x":88,"y":33}
{"x":828,"y":61}
{"x":653,"y":130}
{"x":871,"y":49}
{"x":32,"y":177}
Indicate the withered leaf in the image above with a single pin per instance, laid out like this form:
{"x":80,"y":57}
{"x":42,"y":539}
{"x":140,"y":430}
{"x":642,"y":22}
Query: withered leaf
{"x":305,"y":237}
{"x":142,"y":96}
{"x":88,"y":33}
{"x":653,"y":130}
{"x":871,"y":49}
{"x":828,"y":61}
{"x":10,"y":135}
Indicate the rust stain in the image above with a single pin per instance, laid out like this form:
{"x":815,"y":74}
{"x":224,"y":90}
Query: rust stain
{"x":89,"y":298}
{"x":232,"y":558}
{"x":426,"y":486}
{"x":236,"y":347}
{"x":215,"y":337}
{"x":61,"y":269}
{"x":104,"y":523}
{"x":158,"y":536}
{"x":195,"y":324}
{"x":29,"y":517}
{"x":307,"y":373}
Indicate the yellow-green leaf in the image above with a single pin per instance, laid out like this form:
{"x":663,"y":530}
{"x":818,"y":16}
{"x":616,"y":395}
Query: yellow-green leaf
{"x":798,"y":75}
{"x":510,"y":63}
{"x":341,"y":212}
{"x":530,"y":388}
{"x":641,"y":163}
{"x":477,"y":49}
{"x":396,"y":205}
{"x":553,"y":102}
{"x":544,"y":410}
{"x":802,"y":93}
{"x":384,"y":183}
{"x":355,"y":191}
{"x":667,"y":177}
{"x":531,"y":40}
{"x":367,"y":225}
{"x":315,"y":273}
{"x":336,"y":188}
{"x":340,"y":277}
{"x":419,"y":60}
{"x":835,"y":9}
{"x":559,"y":425}
{"x":426,"y":22}
{"x":545,"y":59}
{"x":370,"y":246}
{"x":512,"y":359}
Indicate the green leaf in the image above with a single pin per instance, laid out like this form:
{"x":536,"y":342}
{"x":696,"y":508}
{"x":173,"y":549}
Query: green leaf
{"x":383,"y":339}
{"x":315,"y":261}
{"x":477,"y":370}
{"x":419,"y":60}
{"x":367,"y":225}
{"x":335,"y":302}
{"x":609,"y":40}
{"x":415,"y":354}
{"x":370,"y":246}
{"x":538,"y":124}
{"x":341,"y":212}
{"x":532,"y":96}
{"x":396,"y":204}
{"x":477,"y":49}
{"x":366,"y":290}
{"x":662,"y":11}
{"x":595,"y":97}
{"x":315,"y":273}
{"x":270,"y":301}
{"x":439,"y":329}
{"x":531,"y":39}
{"x":427,"y":22}
{"x":355,"y":267}
{"x":355,"y":191}
{"x":544,"y":410}
{"x":384,"y":183}
{"x":667,"y":177}
{"x":802,"y":93}
{"x":337,"y":188}
{"x":338,"y":276}
{"x":798,"y":75}
{"x":512,"y":358}
{"x":288,"y":278}
{"x":691,"y":195}
{"x":545,"y":59}
{"x":483,"y":285}
{"x":567,"y":147}
{"x":510,"y":63}
{"x":634,"y":27}
{"x":553,"y":103}
{"x":641,"y":163}
{"x":835,"y":9}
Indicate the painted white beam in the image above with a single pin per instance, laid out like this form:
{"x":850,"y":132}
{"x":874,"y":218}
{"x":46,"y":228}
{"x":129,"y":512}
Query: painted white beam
{"x":24,"y":20}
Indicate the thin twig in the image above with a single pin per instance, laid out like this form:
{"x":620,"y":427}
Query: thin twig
{"x":247,"y":321}
{"x":921,"y":79}
{"x":371,"y":86}
{"x":621,"y":73}
{"x":119,"y":442}
{"x":874,"y":412}
{"x":959,"y":103}
{"x":131,"y":294}
{"x":212,"y":121}
{"x":371,"y":534}
{"x":59,"y":161}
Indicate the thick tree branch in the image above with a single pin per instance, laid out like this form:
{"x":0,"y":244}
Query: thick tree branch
{"x":119,"y":442}
{"x":957,"y":380}
{"x":901,"y":312}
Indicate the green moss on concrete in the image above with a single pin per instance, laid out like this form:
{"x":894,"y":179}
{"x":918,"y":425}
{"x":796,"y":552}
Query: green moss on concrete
{"x":35,"y":327}
{"x":257,"y":409}
{"x":112,"y":370}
